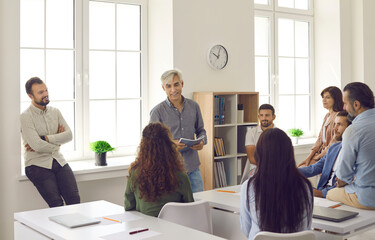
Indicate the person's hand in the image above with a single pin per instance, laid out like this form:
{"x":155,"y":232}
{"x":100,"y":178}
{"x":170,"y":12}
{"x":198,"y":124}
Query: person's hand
{"x":340,"y":183}
{"x":317,"y":193}
{"x":28,"y":148}
{"x":180,"y":146}
{"x":316,"y":157}
{"x":61,"y":129}
{"x":198,"y":146}
{"x":304,"y":163}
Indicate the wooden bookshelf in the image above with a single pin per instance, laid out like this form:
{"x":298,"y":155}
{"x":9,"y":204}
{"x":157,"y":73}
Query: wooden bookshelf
{"x":232,"y":132}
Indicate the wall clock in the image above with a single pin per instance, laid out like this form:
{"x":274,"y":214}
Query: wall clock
{"x":217,"y":57}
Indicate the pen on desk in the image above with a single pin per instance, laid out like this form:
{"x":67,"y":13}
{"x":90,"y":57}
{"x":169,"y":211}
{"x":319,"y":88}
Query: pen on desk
{"x":110,"y":219}
{"x":226,"y":191}
{"x":138,"y":231}
{"x":335,"y":206}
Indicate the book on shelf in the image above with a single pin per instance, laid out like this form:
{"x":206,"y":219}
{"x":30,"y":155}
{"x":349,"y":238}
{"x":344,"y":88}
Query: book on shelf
{"x":220,"y":176}
{"x":219,"y":148}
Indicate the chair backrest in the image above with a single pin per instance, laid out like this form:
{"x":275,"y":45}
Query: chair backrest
{"x":195,"y":215}
{"x":304,"y":235}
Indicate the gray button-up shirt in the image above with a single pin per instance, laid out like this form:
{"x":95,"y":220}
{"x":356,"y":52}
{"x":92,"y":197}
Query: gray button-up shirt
{"x":182,"y":125}
{"x":36,"y":123}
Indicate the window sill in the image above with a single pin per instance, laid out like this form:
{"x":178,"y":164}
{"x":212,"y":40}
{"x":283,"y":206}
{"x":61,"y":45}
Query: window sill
{"x":304,"y":145}
{"x":85,"y":170}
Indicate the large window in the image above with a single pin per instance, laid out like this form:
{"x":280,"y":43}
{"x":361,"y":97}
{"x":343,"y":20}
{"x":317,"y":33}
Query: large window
{"x":284,"y":61}
{"x":92,"y":56}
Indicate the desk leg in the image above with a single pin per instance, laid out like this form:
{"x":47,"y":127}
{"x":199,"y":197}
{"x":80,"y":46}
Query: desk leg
{"x":23,"y":232}
{"x":227,"y":224}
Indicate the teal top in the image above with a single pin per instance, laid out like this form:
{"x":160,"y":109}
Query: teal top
{"x":183,"y":193}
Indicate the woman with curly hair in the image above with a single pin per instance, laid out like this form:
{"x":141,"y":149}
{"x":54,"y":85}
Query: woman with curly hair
{"x":157,"y":176}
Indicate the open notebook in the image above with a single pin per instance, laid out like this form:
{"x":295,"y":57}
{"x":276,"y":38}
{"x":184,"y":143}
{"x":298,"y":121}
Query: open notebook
{"x":73,"y":220}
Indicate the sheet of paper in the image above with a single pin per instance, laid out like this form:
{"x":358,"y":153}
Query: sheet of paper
{"x":123,"y":217}
{"x":322,"y":202}
{"x":125,"y":235}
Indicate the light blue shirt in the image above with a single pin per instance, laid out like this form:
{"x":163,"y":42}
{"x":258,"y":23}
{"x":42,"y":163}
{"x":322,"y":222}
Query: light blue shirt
{"x":357,"y":158}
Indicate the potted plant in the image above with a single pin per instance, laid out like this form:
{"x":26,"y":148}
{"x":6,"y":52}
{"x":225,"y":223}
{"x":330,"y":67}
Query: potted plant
{"x":295,"y":133}
{"x":101,"y":148}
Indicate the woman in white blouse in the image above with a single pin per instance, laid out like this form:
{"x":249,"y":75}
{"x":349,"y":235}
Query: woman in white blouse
{"x":277,"y":198}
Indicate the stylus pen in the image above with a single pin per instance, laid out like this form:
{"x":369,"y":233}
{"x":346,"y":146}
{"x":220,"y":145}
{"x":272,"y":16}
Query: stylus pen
{"x":138,"y":231}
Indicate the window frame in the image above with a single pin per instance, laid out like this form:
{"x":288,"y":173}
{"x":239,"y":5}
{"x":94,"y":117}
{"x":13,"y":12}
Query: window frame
{"x":81,"y":76}
{"x":273,"y":12}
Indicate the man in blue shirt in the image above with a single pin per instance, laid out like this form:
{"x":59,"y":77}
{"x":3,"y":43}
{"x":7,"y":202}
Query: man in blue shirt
{"x":327,"y":165}
{"x":356,"y":171}
{"x":183,"y":117}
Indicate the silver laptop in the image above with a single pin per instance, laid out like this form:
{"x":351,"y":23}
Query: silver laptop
{"x":331,"y":214}
{"x":74,"y":220}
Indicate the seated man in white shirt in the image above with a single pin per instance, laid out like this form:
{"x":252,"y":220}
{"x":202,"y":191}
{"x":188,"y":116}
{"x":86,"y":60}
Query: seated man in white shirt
{"x":266,"y":116}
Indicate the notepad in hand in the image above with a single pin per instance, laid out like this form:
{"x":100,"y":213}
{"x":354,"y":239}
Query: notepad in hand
{"x":191,"y":142}
{"x":73,"y":220}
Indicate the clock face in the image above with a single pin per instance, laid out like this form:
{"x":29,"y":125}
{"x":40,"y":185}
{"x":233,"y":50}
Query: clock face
{"x":218,"y":57}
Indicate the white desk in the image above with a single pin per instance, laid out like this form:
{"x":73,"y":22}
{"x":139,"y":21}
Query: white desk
{"x":230,"y":203}
{"x":36,"y":225}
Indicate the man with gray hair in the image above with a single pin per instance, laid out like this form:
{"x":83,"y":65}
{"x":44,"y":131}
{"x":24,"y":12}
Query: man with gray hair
{"x":183,"y":117}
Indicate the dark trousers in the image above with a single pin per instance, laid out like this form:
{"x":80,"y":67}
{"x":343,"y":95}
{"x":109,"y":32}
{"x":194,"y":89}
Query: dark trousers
{"x":54,"y":184}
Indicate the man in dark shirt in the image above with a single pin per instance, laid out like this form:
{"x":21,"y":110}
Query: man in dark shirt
{"x":183,"y":117}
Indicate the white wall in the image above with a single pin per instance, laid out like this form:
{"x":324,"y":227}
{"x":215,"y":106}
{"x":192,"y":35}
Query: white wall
{"x":368,"y":42}
{"x":327,"y":51}
{"x":344,"y":46}
{"x":198,"y":25}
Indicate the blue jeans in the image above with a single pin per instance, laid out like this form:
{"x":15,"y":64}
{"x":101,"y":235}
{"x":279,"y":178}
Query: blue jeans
{"x":196,"y":180}
{"x":54,"y":184}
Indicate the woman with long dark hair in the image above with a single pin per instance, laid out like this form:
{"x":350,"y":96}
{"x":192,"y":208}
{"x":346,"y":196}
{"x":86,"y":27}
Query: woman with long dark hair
{"x":157,"y":176}
{"x":277,"y":198}
{"x":332,"y":101}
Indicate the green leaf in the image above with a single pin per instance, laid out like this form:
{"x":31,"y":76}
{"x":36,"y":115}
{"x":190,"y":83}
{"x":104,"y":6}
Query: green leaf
{"x":295,"y":132}
{"x":101,"y":147}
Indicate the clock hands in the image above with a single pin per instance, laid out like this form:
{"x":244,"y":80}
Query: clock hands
{"x":215,"y":55}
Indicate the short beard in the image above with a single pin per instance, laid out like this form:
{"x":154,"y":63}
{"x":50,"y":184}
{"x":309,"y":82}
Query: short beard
{"x":41,"y":103}
{"x":267,"y":124}
{"x":339,"y":139}
{"x":350,"y":117}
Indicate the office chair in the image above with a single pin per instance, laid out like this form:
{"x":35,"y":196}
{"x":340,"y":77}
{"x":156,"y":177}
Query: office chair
{"x":195,"y":215}
{"x":304,"y":235}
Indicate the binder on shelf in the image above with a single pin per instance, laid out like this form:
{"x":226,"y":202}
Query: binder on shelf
{"x":216,"y":173}
{"x":220,"y":176}
{"x":221,"y":110}
{"x":216,"y":110}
